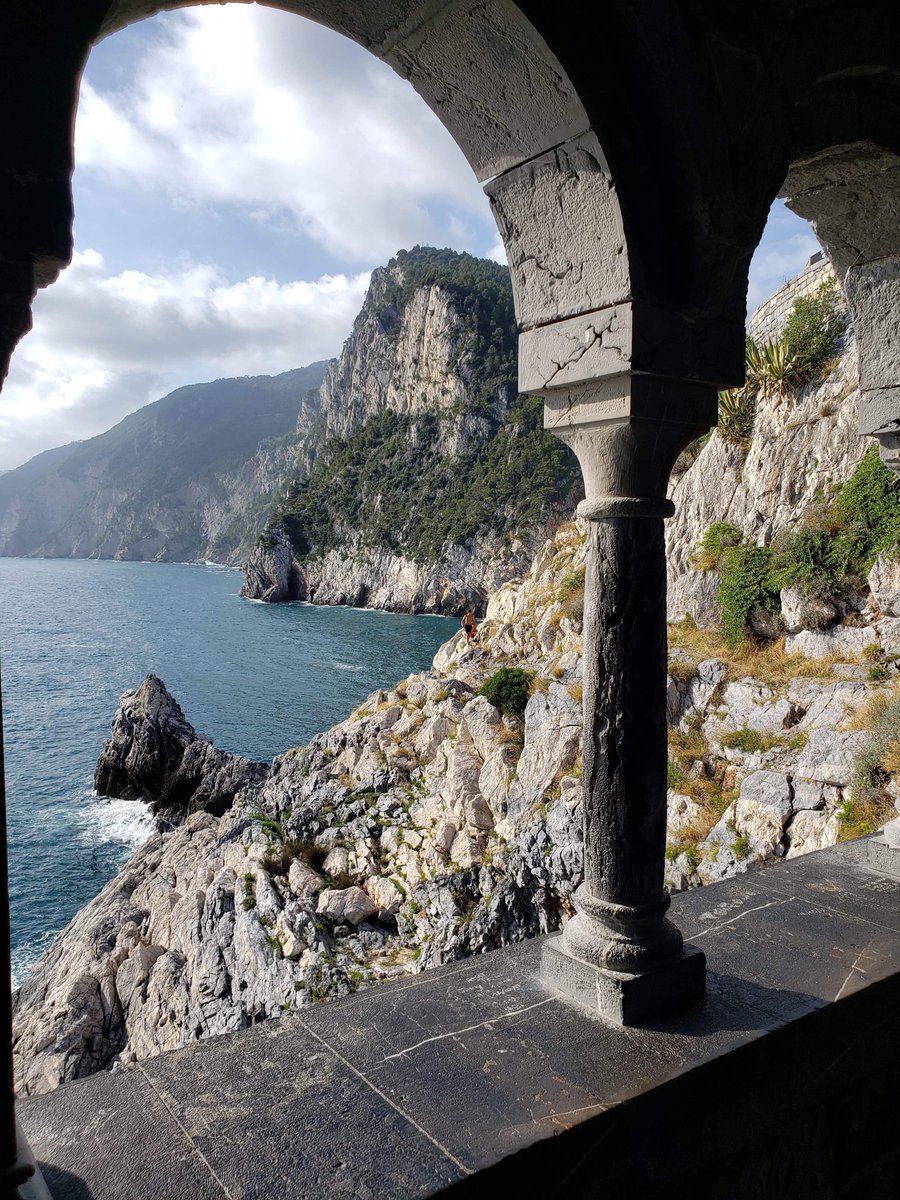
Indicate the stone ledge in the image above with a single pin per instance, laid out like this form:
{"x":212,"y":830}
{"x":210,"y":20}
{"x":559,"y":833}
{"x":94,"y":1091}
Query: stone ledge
{"x":459,"y":1078}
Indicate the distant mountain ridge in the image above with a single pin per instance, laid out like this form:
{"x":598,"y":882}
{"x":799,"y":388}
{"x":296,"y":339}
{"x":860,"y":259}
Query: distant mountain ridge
{"x":186,"y":478}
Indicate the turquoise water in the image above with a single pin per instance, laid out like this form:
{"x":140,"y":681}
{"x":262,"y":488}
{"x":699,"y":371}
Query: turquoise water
{"x":256,"y":678}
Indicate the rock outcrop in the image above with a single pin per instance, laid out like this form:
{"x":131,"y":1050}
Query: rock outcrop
{"x":271,"y":574}
{"x":154,"y":754}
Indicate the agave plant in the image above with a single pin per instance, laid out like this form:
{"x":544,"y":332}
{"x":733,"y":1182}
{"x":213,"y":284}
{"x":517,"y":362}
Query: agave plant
{"x":737,"y":413}
{"x":780,"y":368}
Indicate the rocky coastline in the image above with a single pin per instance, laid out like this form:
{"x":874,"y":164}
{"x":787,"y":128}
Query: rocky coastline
{"x":426,"y":827}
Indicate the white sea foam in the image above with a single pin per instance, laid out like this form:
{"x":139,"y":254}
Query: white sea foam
{"x":125,"y":822}
{"x":347,"y":666}
{"x":23,"y":958}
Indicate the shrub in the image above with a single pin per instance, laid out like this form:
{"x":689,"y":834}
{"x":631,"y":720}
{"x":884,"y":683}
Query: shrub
{"x":741,"y":847}
{"x":745,"y":585}
{"x":571,"y":596}
{"x":867,"y":509}
{"x":507,"y":689}
{"x":812,"y":329}
{"x":748,"y":741}
{"x":807,"y":559}
{"x":737,"y":415}
{"x":718,"y":538}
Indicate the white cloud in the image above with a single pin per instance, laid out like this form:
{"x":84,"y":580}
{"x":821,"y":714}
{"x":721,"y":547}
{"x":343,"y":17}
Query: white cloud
{"x":264,"y":110}
{"x":103,"y":345}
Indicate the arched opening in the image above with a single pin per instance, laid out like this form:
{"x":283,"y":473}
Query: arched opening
{"x":628,"y":336}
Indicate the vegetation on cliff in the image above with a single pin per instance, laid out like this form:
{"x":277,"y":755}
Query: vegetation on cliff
{"x":826,"y":557}
{"x":390,"y":484}
{"x":779,"y":366}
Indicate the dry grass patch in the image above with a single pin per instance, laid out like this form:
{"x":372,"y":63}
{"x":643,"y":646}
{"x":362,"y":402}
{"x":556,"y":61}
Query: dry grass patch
{"x":766,"y":662}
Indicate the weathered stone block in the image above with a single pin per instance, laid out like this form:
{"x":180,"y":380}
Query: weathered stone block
{"x":625,"y":999}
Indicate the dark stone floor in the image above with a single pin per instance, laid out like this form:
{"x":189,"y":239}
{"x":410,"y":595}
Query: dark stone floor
{"x":408,"y":1088}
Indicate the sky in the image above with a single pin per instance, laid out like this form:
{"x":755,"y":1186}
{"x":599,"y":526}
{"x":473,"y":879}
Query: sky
{"x":239,"y":173}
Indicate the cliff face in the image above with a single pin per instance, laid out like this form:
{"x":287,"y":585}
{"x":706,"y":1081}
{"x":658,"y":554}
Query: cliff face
{"x":187,"y":478}
{"x":432,"y":483}
{"x":804,"y":446}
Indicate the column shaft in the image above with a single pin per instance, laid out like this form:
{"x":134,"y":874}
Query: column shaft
{"x":622,"y":902}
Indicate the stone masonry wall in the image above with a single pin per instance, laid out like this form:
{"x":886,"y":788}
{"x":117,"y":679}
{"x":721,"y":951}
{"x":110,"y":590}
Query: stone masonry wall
{"x":768,"y":322}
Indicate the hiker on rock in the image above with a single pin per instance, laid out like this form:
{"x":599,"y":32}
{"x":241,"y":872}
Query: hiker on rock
{"x":468,"y":624}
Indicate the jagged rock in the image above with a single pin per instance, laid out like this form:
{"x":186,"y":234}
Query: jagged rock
{"x":385,"y":896}
{"x":482,"y":721}
{"x":762,"y":810}
{"x":304,"y":882}
{"x":750,"y":705}
{"x":271,"y":574}
{"x":156,"y":755}
{"x":552,"y":740}
{"x":799,"y":611}
{"x":826,"y":705}
{"x":888,"y":631}
{"x":345,"y":906}
{"x":884,"y":584}
{"x":711,"y":674}
{"x":681,"y":812}
{"x":837,"y":642}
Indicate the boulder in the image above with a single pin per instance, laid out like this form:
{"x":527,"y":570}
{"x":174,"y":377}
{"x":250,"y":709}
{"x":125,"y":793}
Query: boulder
{"x":552,"y":740}
{"x":839,"y":641}
{"x":694,"y":594}
{"x":385,"y":895}
{"x":829,"y":755}
{"x":303,"y":881}
{"x":884,"y":584}
{"x":888,"y":631}
{"x":482,"y":721}
{"x":751,"y":705}
{"x":812,"y":831}
{"x":800,"y":611}
{"x":762,"y":810}
{"x":345,"y":906}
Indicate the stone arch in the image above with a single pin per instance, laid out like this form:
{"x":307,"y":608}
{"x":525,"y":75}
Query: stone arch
{"x":488,"y":75}
{"x":851,"y":194}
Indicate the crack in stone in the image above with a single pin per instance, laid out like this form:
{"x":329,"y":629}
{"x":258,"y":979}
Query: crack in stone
{"x":740,"y":916}
{"x":468,"y":1029}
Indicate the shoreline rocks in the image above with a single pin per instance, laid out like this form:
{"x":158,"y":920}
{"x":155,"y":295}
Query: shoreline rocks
{"x":155,"y":754}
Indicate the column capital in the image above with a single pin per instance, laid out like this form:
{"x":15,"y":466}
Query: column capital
{"x":626,"y":431}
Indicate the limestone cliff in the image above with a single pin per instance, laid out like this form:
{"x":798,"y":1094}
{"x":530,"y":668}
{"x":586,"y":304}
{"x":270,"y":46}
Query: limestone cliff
{"x":804,"y":445}
{"x":432,"y":481}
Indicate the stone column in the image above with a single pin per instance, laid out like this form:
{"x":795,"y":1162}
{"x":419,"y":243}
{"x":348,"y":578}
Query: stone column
{"x":620,"y":954}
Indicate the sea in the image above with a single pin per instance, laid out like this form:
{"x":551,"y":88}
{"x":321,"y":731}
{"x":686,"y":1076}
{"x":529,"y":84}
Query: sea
{"x":255,"y":678}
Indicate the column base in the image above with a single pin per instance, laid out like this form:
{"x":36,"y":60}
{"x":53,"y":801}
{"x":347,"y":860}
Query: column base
{"x":625,"y":999}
